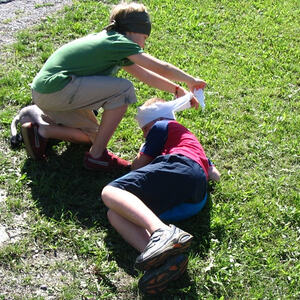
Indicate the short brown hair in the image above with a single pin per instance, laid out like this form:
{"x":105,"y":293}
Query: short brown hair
{"x":153,"y":100}
{"x":123,"y":8}
{"x":129,"y":17}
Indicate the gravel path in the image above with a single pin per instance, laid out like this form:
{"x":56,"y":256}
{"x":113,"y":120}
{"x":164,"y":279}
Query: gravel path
{"x":19,"y":14}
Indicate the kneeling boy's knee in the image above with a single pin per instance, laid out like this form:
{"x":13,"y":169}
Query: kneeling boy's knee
{"x":129,"y":92}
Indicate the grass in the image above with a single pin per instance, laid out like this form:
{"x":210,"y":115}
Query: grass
{"x":246,"y":239}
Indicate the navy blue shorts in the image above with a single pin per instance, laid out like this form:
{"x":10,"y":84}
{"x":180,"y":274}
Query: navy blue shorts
{"x":173,"y":186}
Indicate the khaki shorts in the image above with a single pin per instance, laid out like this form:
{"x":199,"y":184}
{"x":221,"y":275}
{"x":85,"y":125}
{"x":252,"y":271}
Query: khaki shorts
{"x":73,"y":105}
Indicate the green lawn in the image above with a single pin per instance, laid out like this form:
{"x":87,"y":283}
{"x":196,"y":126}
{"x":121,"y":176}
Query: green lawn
{"x":246,"y":242}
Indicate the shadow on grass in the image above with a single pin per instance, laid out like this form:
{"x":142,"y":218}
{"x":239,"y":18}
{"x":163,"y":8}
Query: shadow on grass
{"x":62,"y":188}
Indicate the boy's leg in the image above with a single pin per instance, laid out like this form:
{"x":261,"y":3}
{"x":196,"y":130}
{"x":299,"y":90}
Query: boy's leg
{"x":133,"y":234}
{"x":109,"y":121}
{"x":81,"y":96}
{"x":35,"y":137}
{"x":76,"y":126}
{"x":164,"y":240}
{"x":64,"y":133}
{"x":48,"y":125}
{"x":154,"y":280}
{"x":131,"y":208}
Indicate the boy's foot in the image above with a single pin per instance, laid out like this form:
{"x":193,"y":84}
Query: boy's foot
{"x":163,"y":243}
{"x":107,"y":161}
{"x":156,"y":280}
{"x":35,"y":144}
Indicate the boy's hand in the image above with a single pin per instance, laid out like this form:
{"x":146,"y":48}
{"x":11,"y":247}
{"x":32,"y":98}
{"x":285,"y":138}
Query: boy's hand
{"x":194,"y":103}
{"x":180,"y":91}
{"x":197,"y":83}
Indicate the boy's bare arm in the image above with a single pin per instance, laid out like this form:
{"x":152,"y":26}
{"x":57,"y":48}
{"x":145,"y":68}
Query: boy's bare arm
{"x":153,"y":79}
{"x":166,"y":70}
{"x":140,"y":161}
{"x":157,"y":81}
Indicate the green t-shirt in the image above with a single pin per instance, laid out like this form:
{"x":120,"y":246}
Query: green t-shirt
{"x":103,"y":53}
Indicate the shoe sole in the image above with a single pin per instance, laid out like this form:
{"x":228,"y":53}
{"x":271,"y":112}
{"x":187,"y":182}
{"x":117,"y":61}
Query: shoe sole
{"x":156,"y":261}
{"x":26,"y":139}
{"x":158,"y":281}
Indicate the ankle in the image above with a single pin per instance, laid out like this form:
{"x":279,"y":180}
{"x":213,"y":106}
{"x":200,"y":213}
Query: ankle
{"x":95,"y":153}
{"x":161,"y":227}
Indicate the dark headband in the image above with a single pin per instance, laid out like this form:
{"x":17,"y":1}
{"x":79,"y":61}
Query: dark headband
{"x":138,"y":22}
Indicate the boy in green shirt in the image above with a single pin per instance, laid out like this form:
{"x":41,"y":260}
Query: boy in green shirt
{"x":79,"y":78}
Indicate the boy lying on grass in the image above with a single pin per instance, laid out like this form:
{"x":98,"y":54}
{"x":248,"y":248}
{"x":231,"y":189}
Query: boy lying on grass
{"x":168,"y":182}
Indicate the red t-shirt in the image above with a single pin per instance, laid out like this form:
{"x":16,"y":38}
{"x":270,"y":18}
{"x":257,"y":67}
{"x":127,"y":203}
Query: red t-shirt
{"x":170,"y":137}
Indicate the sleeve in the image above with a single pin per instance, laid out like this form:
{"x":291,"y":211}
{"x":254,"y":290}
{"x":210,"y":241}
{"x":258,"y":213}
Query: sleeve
{"x":130,"y":49}
{"x":124,"y":48}
{"x":156,"y":139}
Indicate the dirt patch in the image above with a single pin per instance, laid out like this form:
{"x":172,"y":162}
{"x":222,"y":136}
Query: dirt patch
{"x":16,"y":15}
{"x":45,"y":275}
{"x":51,"y":274}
